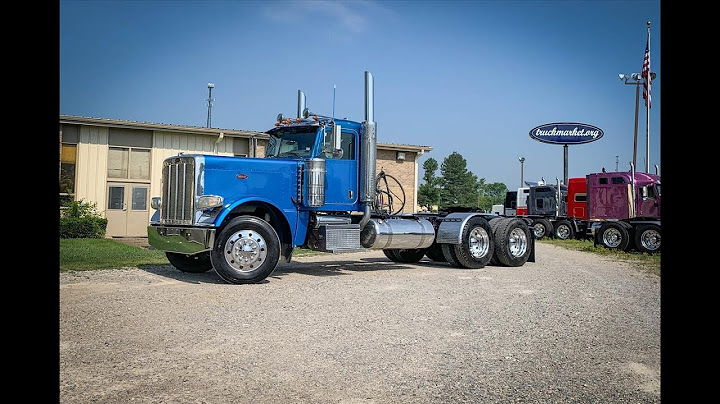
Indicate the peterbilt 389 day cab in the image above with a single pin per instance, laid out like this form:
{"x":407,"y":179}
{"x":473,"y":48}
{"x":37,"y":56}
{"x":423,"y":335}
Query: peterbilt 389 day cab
{"x":315,"y":188}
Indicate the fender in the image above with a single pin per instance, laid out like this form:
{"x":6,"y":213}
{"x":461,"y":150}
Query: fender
{"x":290,"y":216}
{"x":450,"y":229}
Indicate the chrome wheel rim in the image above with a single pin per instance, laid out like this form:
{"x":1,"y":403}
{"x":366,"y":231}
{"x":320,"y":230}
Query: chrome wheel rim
{"x":612,"y":238}
{"x":539,"y":230}
{"x":479,"y":242}
{"x":245,"y":250}
{"x":563,"y":232}
{"x":650,"y":239}
{"x":518,"y":242}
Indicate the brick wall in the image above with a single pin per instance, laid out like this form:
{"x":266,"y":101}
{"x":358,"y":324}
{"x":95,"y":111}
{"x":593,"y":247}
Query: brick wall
{"x":404,"y":171}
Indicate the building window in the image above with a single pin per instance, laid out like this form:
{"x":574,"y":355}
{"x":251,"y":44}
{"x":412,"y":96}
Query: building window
{"x":139,"y":198}
{"x":68,"y":161}
{"x":129,"y":163}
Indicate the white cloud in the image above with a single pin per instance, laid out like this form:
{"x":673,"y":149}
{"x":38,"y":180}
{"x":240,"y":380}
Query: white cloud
{"x":350,"y":16}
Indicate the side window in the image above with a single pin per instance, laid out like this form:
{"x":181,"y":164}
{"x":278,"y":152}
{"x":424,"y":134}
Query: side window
{"x":650,"y":192}
{"x":618,"y":180}
{"x":602,"y":181}
{"x":347,"y":144}
{"x":580,"y":197}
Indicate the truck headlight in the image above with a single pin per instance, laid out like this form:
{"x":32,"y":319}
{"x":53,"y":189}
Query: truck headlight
{"x":208,"y":202}
{"x":155,"y":202}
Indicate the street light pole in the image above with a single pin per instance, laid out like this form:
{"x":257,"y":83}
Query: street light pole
{"x":522,"y":160}
{"x":210,"y":100}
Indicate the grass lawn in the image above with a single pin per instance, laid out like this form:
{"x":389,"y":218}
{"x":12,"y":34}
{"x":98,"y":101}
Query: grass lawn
{"x":84,"y":254}
{"x":646,"y":262}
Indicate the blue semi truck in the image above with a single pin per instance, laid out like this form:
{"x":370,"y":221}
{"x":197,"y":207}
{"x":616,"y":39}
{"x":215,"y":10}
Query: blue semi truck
{"x":316,"y":188}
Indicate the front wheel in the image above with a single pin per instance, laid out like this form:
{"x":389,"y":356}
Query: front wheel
{"x":247,"y":250}
{"x":564,"y":230}
{"x":542,"y":228}
{"x":196,"y":263}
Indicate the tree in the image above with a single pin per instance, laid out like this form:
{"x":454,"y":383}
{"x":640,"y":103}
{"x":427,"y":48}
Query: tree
{"x":491,"y":194}
{"x":429,"y":192}
{"x":459,"y":186}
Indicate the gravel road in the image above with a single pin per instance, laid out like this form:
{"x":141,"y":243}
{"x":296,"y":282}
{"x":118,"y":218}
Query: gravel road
{"x":351,"y":328}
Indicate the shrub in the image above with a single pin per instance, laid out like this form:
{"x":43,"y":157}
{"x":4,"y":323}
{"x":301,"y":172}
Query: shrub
{"x":79,"y":219}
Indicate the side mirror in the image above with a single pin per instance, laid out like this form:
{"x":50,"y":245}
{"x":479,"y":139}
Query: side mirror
{"x":335,"y":141}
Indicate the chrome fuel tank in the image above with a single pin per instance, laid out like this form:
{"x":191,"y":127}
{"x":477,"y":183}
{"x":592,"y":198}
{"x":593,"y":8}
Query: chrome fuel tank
{"x":397,"y":233}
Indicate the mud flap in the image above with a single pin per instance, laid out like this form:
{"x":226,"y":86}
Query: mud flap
{"x":531,"y":258}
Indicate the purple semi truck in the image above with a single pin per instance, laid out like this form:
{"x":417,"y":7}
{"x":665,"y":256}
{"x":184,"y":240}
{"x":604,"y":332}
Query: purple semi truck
{"x":623,"y":210}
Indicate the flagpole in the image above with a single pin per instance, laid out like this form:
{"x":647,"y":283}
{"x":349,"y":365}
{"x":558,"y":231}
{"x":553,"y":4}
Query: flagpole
{"x":648,"y":103}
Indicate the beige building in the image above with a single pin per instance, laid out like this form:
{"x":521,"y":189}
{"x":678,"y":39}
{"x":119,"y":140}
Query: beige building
{"x":117,"y":164}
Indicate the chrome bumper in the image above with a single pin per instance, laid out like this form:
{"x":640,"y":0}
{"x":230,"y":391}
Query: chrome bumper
{"x":186,"y":240}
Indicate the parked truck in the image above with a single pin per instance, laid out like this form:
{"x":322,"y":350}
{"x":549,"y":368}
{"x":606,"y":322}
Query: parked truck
{"x":545,"y":209}
{"x":316,"y":188}
{"x":623,"y":210}
{"x":618,"y":210}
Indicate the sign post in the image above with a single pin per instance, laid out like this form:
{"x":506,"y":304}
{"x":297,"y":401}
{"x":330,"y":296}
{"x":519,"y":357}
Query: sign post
{"x":566,"y":133}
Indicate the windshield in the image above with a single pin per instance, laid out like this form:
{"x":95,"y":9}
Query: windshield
{"x":292,"y":141}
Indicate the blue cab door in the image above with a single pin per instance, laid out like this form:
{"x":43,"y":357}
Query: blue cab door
{"x":341,"y":181}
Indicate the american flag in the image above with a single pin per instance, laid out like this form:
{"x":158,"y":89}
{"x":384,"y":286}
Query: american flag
{"x":646,"y":75}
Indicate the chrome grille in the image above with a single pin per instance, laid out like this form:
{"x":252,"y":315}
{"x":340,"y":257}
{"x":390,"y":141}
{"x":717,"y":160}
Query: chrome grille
{"x":178,"y":197}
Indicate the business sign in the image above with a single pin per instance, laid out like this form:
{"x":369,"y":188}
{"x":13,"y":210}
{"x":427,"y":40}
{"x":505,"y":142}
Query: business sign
{"x":566,"y":133}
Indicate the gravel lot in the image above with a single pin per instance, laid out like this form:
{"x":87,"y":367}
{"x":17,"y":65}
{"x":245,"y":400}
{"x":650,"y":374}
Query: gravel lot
{"x":356,"y":328}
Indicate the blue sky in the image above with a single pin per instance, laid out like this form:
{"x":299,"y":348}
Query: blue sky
{"x":472,"y":77}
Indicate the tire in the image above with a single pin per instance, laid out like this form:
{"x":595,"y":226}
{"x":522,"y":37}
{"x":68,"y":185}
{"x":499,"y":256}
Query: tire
{"x":494,"y":222}
{"x":631,"y":235}
{"x":449,"y":254}
{"x":477,"y":244}
{"x":542,"y":228}
{"x":435,"y":253}
{"x":513,"y":239}
{"x":647,"y":239}
{"x":247,"y":250}
{"x":410,"y":256}
{"x":614,"y":236}
{"x":564,"y":230}
{"x":390,"y":254}
{"x":194,"y":264}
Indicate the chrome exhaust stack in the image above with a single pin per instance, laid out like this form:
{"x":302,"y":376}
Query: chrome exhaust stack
{"x":301,"y":104}
{"x":368,"y":145}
